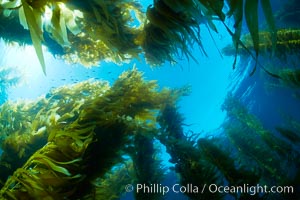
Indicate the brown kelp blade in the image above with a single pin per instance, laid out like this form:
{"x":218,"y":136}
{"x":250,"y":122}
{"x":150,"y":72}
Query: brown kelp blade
{"x":35,"y":33}
{"x":236,"y":9}
{"x":251,"y":16}
{"x":267,"y":9}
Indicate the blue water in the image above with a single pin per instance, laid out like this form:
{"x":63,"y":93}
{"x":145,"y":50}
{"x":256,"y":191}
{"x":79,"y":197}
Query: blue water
{"x":208,"y":78}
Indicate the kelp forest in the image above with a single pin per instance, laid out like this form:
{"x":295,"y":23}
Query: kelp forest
{"x":91,"y":139}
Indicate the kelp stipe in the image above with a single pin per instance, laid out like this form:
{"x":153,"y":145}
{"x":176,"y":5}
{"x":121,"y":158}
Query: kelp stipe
{"x":234,"y":173}
{"x":111,"y":185}
{"x":291,"y":135}
{"x":221,"y":158}
{"x":192,"y":168}
{"x":148,"y":170}
{"x":290,"y":77}
{"x":275,"y":158}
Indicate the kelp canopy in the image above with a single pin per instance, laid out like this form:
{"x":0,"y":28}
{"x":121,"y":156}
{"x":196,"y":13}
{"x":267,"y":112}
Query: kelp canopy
{"x":89,"y":31}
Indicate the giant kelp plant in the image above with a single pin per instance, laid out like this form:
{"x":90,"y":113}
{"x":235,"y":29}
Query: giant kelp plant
{"x":281,"y":43}
{"x":56,"y":152}
{"x":89,"y":140}
{"x":89,"y":31}
{"x":246,"y":154}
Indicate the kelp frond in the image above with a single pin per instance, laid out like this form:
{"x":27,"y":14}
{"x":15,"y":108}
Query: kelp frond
{"x":34,"y":24}
{"x":49,"y":149}
{"x":91,"y":31}
{"x":248,"y":9}
{"x":288,"y":42}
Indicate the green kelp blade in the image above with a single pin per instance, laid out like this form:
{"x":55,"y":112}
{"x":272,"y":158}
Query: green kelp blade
{"x":42,"y":159}
{"x":267,"y":9}
{"x":236,"y":10}
{"x":59,"y":30}
{"x":251,"y":16}
{"x":35,"y":33}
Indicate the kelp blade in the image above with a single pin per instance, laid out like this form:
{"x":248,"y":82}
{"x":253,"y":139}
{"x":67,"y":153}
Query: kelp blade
{"x":251,"y":16}
{"x":35,"y":33}
{"x":267,"y":9}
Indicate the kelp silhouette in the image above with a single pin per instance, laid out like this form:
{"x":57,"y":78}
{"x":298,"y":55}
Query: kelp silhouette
{"x":87,"y":32}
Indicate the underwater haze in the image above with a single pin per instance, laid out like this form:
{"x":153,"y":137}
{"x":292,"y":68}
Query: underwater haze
{"x":150,"y":100}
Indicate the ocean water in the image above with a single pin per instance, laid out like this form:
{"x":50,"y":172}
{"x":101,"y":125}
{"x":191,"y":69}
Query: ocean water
{"x":240,"y":131}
